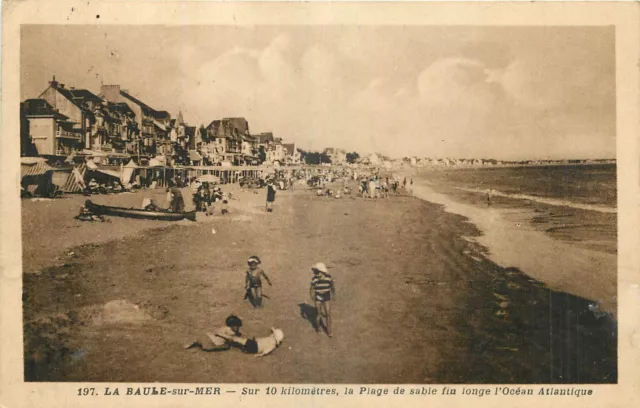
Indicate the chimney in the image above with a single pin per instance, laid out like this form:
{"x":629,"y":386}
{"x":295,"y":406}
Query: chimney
{"x":110,"y":93}
{"x":53,"y":82}
{"x":62,"y":86}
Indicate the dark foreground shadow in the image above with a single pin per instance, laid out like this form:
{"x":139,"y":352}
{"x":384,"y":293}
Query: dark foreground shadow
{"x":519,"y":331}
{"x":309,"y":313}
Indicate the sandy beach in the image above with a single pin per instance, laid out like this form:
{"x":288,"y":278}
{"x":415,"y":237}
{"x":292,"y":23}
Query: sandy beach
{"x":418,"y":298}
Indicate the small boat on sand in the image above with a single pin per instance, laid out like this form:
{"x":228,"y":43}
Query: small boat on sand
{"x":139,"y":213}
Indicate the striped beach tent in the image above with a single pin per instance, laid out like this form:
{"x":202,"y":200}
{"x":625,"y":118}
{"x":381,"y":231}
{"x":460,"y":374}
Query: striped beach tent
{"x":75,"y":180}
{"x":33,"y":166}
{"x":33,"y":172}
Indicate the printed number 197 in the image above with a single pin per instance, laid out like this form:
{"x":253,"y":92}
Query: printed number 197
{"x":86,"y":391}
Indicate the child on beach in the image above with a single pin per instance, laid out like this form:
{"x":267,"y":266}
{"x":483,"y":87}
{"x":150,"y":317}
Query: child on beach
{"x":221,"y":338}
{"x":321,"y":290}
{"x":271,"y":195}
{"x":253,"y":282}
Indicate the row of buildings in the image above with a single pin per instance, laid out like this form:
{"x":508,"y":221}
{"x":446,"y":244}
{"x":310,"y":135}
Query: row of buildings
{"x":67,"y":122}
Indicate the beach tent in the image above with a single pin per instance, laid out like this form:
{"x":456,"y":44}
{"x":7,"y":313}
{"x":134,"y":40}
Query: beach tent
{"x":35,"y":175}
{"x":127,"y":172}
{"x":75,"y":179}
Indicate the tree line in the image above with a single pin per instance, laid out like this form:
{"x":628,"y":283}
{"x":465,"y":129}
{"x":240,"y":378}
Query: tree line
{"x":309,"y":157}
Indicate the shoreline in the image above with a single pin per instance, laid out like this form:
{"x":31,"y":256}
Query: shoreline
{"x":511,"y":240}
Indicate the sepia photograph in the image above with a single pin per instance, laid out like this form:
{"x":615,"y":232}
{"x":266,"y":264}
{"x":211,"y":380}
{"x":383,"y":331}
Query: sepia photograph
{"x":352,"y":204}
{"x":275,"y":204}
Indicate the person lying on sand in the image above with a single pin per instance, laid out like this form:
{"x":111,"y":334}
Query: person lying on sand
{"x":263,"y":345}
{"x":87,"y":215}
{"x":222,"y":338}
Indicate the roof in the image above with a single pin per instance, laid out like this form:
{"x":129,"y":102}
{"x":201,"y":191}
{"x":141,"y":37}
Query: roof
{"x":29,"y":168}
{"x":77,"y":96}
{"x":180,"y":120}
{"x":265,"y":137}
{"x":240,"y":124}
{"x":85,"y":95}
{"x":160,"y":114}
{"x":40,"y":107}
{"x":148,"y":110}
{"x":120,"y":107}
{"x":290,"y":148}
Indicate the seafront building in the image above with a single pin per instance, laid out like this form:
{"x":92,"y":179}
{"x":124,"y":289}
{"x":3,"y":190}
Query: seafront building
{"x":65,"y":123}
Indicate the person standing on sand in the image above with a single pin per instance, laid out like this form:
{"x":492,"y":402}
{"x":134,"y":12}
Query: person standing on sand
{"x":271,"y":195}
{"x":253,"y":281}
{"x":177,"y":201}
{"x":321,"y":291}
{"x":372,"y":188}
{"x":404,"y":183}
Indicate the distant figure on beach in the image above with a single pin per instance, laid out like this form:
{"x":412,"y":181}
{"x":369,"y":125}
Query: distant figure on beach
{"x":321,"y":291}
{"x":222,"y":338}
{"x":271,"y":195}
{"x":489,"y":196}
{"x":87,"y":215}
{"x":371,"y":188}
{"x":177,"y":201}
{"x":404,"y":183}
{"x":253,"y":282}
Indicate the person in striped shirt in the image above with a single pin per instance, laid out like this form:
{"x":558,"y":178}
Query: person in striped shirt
{"x":322,"y":290}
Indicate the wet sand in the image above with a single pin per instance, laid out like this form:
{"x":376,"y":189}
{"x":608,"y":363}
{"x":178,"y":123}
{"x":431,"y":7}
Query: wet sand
{"x":418,"y":300}
{"x":569,"y":249}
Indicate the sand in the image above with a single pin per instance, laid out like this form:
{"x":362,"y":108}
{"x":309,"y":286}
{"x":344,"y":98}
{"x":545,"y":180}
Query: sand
{"x":418,"y":300}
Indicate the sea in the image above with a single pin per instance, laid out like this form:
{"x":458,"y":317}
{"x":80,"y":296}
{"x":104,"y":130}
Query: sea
{"x":588,"y":186}
{"x":572,"y":203}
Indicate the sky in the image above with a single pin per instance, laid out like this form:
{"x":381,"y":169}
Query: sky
{"x":507,"y":93}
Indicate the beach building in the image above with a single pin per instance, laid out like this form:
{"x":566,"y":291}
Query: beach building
{"x":292,"y":155}
{"x":277,"y":152}
{"x":152,"y":125}
{"x":225,"y":139}
{"x":337,"y":156}
{"x":270,"y":148}
{"x":46,"y":132}
{"x":75,"y":104}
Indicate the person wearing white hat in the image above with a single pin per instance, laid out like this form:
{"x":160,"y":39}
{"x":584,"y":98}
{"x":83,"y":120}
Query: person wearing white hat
{"x":253,"y":281}
{"x":322,"y":290}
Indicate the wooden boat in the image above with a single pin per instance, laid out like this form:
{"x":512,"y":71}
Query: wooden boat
{"x":138,"y":213}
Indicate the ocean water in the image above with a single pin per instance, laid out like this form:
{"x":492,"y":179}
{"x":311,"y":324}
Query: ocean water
{"x":584,"y":185}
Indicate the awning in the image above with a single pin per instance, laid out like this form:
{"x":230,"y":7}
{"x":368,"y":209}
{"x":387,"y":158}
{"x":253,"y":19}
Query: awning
{"x":32,"y":160}
{"x":131,"y":165}
{"x":37,"y":169}
{"x":112,"y":173}
{"x":194,"y":155}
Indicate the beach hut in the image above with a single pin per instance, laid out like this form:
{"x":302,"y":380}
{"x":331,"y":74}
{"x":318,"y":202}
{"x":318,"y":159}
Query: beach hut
{"x":36,"y":176}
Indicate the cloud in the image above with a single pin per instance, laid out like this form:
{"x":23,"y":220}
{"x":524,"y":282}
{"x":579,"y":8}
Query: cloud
{"x":453,"y":106}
